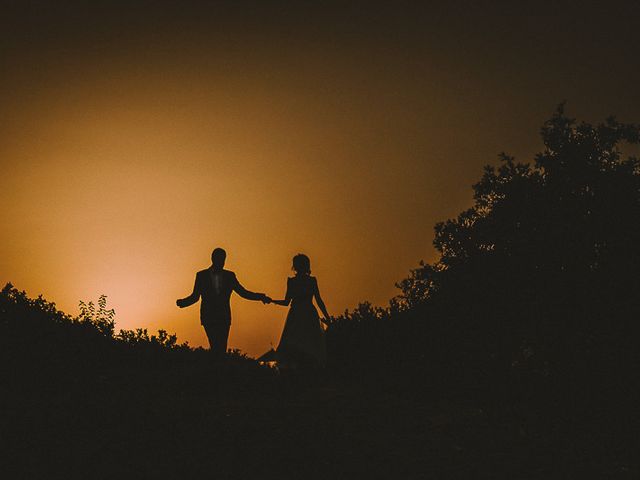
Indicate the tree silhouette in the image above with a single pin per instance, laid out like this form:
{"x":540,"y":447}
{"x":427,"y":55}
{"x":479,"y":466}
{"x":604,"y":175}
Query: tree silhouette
{"x":573,"y":212}
{"x":534,"y":293}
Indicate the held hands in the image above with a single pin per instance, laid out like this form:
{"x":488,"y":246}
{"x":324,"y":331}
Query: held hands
{"x":266,"y":299}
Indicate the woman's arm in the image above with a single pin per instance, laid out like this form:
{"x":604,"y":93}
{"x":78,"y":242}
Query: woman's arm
{"x":287,"y":298}
{"x":320,"y":302}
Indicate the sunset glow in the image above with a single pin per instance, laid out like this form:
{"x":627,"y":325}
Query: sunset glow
{"x":125,"y":160}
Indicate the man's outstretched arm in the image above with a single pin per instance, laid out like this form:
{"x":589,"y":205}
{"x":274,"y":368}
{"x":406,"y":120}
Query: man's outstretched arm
{"x":244,"y":293}
{"x":191,"y":299}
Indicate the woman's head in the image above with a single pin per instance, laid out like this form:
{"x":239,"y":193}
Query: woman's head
{"x":301,"y":264}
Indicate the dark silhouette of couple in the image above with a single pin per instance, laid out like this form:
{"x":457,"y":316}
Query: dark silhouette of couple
{"x":302,"y":340}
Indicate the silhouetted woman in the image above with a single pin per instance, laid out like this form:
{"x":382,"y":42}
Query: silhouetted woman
{"x":302,"y":341}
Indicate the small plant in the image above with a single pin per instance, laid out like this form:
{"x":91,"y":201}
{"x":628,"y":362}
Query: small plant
{"x":102,"y":319}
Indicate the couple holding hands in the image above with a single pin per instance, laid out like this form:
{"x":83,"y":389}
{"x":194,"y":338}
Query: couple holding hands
{"x":302,"y":340}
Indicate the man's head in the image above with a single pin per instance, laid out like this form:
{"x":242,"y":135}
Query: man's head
{"x":218,"y":256}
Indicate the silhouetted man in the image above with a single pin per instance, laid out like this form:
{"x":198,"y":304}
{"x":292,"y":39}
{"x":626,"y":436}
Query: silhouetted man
{"x":215,"y":285}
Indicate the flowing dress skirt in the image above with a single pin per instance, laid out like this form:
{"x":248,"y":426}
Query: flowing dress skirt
{"x":303,"y":337}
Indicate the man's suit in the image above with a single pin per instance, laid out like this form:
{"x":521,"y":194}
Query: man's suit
{"x":215,"y":286}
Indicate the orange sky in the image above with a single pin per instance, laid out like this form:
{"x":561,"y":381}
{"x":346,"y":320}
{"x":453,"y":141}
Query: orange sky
{"x":129,"y":152}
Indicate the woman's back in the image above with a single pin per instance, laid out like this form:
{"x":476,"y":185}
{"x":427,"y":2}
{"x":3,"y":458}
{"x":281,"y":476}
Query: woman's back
{"x":301,"y":289}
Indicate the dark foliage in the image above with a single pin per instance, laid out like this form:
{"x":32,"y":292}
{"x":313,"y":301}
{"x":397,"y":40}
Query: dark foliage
{"x":75,"y":395}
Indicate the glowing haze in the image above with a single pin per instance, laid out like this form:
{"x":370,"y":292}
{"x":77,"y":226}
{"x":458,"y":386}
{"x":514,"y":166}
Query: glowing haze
{"x":129,"y":150}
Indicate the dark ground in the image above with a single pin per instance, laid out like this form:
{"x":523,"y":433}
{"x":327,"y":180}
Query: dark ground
{"x":186,"y":417}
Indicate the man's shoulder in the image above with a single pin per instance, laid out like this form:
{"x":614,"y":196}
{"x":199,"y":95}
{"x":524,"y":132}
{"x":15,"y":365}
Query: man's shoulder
{"x":203,"y":274}
{"x":207,"y":271}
